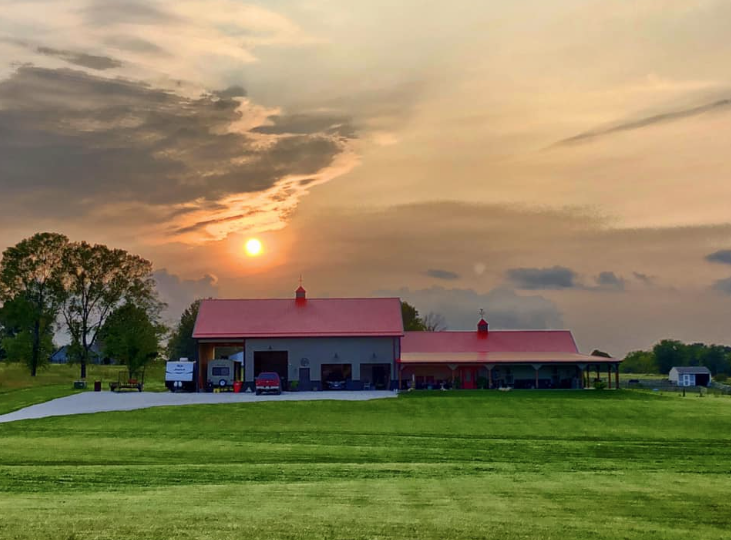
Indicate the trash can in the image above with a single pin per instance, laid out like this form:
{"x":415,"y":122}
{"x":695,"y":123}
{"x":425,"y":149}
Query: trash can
{"x":237,"y":386}
{"x":97,"y":386}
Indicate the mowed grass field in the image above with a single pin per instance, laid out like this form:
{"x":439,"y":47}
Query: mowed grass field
{"x":452,"y":465}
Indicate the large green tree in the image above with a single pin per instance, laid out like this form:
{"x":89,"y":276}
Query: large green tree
{"x":639,"y":362}
{"x":181,"y":343}
{"x":19,"y":318}
{"x":98,"y":280}
{"x":31,"y":286}
{"x":131,"y":337}
{"x":669,"y":353}
{"x":410,"y":316}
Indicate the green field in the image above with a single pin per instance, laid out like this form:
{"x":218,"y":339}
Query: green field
{"x":18,"y":389}
{"x":528,"y":465}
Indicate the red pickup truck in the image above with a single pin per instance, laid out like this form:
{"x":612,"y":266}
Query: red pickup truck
{"x":268,"y":382}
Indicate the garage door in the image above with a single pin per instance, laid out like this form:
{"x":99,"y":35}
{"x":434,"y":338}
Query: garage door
{"x":275,"y":361}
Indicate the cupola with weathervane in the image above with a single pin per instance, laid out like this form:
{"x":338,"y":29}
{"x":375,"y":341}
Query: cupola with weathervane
{"x":482,"y":326}
{"x":300,"y":294}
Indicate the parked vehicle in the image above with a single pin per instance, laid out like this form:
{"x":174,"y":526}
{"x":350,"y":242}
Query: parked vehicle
{"x":221,"y":374}
{"x":335,"y":381}
{"x":268,"y":382}
{"x":180,"y":376}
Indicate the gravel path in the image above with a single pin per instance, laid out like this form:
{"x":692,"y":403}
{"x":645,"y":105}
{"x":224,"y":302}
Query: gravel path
{"x":93,"y":402}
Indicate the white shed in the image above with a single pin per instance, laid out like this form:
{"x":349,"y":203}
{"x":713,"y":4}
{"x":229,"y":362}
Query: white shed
{"x":690,"y":376}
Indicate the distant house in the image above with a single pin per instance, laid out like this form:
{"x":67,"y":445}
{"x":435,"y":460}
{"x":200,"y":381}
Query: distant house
{"x":61,"y":356}
{"x":690,"y":376}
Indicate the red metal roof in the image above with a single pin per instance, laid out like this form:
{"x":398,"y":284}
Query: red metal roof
{"x":501,"y":358}
{"x":314,"y":317}
{"x":560,"y":341}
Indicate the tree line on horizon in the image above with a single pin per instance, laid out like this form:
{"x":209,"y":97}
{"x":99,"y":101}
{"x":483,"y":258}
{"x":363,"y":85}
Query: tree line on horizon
{"x":94,"y":293}
{"x":669,"y":353}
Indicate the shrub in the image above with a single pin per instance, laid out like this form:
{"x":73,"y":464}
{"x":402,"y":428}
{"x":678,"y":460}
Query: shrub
{"x":294,"y":385}
{"x":721,"y":377}
{"x":482,"y":383}
{"x":599,"y":384}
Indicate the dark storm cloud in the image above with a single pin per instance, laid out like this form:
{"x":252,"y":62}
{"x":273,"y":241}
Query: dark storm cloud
{"x":67,"y":136}
{"x":231,"y":92}
{"x":308,"y":123}
{"x":722,"y":105}
{"x":442,"y":274}
{"x":556,"y":277}
{"x":504,"y":308}
{"x":610,"y":280}
{"x":723,"y":285}
{"x":90,"y":61}
{"x":723,"y":256}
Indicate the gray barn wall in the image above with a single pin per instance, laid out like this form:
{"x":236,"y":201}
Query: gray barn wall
{"x":350,"y":350}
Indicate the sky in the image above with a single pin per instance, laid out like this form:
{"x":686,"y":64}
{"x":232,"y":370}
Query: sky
{"x":558,"y":164}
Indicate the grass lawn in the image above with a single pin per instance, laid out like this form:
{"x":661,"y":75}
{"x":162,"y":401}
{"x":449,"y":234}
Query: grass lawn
{"x":15,"y":377}
{"x":518,"y":465}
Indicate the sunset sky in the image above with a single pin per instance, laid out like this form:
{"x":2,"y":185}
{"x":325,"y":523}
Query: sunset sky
{"x":562,"y":164}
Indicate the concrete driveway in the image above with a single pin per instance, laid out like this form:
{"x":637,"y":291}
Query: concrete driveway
{"x":93,"y":402}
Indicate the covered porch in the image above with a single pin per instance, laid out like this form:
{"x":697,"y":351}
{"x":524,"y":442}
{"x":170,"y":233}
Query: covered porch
{"x":529,"y":371}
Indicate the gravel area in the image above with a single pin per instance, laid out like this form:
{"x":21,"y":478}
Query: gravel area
{"x":93,"y":402}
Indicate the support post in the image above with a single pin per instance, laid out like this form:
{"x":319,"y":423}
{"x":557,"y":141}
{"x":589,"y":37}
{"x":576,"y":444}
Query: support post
{"x":400,"y":367}
{"x":453,"y":367}
{"x":616,"y":376}
{"x":537,"y":367}
{"x":609,"y":376}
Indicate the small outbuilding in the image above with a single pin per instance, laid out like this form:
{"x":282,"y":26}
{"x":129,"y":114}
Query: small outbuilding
{"x":690,"y":376}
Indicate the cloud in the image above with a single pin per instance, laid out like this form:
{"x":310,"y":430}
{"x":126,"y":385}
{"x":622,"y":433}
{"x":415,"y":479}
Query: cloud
{"x":179,"y":293}
{"x":307,"y":124}
{"x":722,"y":256}
{"x":503,"y":307}
{"x":556,"y":277}
{"x":90,"y":61}
{"x":120,"y":12}
{"x":232,"y":92}
{"x":442,"y":274}
{"x":610,"y":280}
{"x":723,"y":285}
{"x":719,"y":106}
{"x":113,"y":142}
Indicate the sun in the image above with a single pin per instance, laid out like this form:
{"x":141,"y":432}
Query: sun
{"x":253,"y":247}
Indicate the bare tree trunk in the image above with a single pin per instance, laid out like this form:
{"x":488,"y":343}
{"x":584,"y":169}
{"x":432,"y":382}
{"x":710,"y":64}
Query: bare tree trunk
{"x":36,"y":348}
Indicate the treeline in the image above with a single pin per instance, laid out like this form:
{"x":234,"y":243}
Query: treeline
{"x":668,"y":353}
{"x":94,"y":293}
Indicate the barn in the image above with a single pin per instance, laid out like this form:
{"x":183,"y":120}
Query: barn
{"x":314,"y":343}
{"x":309,"y":342}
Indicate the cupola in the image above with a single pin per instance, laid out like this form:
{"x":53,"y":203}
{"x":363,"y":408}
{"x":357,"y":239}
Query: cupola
{"x":300,"y":294}
{"x":482,"y":325}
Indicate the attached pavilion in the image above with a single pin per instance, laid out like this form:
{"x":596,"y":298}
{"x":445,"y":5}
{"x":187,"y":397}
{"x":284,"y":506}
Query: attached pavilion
{"x":527,"y":359}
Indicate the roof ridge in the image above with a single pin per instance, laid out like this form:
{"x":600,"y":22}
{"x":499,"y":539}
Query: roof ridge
{"x":292,"y":298}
